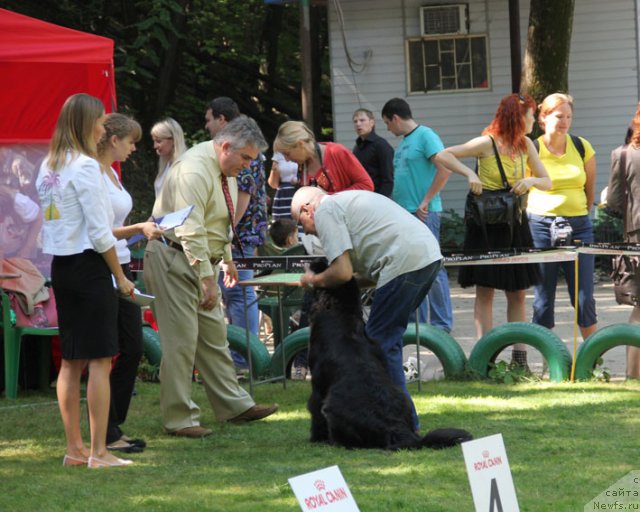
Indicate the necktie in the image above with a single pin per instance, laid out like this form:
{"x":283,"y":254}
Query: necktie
{"x":229,"y":201}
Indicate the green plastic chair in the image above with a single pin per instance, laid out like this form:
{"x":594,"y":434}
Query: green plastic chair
{"x":12,"y":335}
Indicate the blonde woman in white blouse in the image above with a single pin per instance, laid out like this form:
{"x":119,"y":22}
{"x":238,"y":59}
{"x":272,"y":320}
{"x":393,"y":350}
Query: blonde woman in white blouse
{"x":77,"y":232}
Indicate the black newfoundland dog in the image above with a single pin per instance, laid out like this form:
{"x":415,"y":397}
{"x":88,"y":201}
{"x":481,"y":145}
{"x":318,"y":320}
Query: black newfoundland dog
{"x":353,"y":401}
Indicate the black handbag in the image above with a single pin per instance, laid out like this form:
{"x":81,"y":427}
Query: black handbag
{"x":625,"y":273}
{"x":494,"y":207}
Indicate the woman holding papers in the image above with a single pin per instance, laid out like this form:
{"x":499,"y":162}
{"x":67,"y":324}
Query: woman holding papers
{"x":77,"y":232}
{"x":118,"y":142}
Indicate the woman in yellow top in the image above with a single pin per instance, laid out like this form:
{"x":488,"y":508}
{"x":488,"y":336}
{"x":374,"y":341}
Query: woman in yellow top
{"x":513,"y":120}
{"x":567,"y":204}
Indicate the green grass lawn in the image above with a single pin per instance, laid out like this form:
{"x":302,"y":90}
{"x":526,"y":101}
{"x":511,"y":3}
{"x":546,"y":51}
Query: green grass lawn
{"x":566,"y":443}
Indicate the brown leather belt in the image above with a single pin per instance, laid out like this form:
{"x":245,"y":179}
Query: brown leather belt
{"x":178,"y":247}
{"x":174,"y":245}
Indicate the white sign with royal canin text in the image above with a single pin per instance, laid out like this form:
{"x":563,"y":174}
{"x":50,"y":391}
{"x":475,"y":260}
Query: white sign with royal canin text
{"x":323,"y":490}
{"x":489,"y":475}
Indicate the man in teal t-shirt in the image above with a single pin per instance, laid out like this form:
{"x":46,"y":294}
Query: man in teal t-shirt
{"x":418,"y":178}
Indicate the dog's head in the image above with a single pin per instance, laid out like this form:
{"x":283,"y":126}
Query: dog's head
{"x":344,"y":298}
{"x":318,"y":265}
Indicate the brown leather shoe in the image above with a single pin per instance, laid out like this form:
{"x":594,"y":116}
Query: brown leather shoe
{"x":194,"y":432}
{"x":257,"y":412}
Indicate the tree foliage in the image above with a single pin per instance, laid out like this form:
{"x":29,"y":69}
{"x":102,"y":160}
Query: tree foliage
{"x":173,"y":56}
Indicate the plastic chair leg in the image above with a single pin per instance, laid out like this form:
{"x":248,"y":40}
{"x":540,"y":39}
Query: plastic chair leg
{"x":11,"y":364}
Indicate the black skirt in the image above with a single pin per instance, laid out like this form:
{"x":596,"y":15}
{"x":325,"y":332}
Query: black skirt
{"x":87,"y":306}
{"x":511,"y":277}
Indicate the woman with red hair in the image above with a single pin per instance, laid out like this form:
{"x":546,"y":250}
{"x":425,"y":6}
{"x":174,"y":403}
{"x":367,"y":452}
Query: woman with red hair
{"x":513,"y":120}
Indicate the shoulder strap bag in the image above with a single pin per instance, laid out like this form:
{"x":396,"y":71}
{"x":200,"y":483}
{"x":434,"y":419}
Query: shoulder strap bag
{"x":494,"y":206}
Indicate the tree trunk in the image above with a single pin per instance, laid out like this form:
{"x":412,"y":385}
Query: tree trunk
{"x":316,"y":70}
{"x":171,"y":62}
{"x":546,"y":59}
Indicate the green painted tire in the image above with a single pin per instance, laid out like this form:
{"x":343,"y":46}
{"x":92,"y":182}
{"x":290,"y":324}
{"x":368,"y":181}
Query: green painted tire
{"x":151,"y":346}
{"x":549,"y":344}
{"x":602,"y":340}
{"x":442,"y":344}
{"x":237,"y":341}
{"x":260,"y":358}
{"x":293,"y":344}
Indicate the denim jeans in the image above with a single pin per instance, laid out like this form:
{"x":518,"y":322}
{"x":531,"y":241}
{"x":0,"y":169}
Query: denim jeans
{"x":234,"y":300}
{"x":545,"y":291}
{"x":436,"y":308}
{"x":389,"y":317}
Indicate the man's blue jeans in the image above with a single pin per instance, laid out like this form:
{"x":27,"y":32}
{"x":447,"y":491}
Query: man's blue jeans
{"x":436,"y":308}
{"x":234,"y":300}
{"x":389,"y":317}
{"x":545,"y":292}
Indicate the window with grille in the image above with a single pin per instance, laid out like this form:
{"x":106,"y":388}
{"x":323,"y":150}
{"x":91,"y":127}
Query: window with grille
{"x":448,"y":63}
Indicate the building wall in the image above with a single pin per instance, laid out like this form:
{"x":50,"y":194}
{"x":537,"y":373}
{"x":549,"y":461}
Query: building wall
{"x":603,"y":72}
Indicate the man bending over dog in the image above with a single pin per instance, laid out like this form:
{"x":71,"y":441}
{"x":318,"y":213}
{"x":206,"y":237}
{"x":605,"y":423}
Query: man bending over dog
{"x":368,"y":234}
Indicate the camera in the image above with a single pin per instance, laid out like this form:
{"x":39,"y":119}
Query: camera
{"x":561,"y":232}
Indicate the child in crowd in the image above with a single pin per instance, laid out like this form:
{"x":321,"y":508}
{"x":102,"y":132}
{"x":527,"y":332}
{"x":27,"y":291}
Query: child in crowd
{"x":283,"y":178}
{"x":284,"y":233}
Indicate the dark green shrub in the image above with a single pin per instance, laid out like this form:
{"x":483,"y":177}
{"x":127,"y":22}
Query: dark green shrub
{"x":451,"y":230}
{"x":606,"y":228}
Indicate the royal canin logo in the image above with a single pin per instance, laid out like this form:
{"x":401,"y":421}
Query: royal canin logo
{"x":487,"y":461}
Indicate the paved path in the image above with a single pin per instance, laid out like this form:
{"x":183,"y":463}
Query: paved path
{"x":609,"y":312}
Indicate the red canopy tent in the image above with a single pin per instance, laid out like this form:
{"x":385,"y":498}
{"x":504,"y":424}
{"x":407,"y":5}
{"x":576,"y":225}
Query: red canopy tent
{"x":41,"y":65}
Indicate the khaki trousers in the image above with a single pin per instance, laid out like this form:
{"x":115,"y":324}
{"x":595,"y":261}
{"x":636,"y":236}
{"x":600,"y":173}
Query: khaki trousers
{"x":189,"y":336}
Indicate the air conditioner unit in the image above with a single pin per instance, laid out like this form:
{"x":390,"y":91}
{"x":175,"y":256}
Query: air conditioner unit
{"x":437,"y":20}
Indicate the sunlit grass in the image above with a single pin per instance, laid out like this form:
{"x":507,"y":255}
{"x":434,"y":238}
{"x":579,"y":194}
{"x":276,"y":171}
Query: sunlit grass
{"x":565,"y":442}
